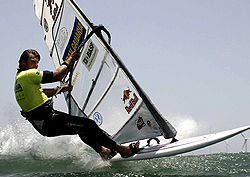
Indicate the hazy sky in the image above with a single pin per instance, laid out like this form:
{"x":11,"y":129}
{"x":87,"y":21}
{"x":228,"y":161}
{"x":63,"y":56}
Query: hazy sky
{"x":191,"y":57}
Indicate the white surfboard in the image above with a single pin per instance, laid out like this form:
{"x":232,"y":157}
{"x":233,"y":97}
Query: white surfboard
{"x":181,"y":146}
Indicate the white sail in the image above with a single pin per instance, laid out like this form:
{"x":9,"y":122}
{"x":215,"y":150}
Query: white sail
{"x":104,"y":89}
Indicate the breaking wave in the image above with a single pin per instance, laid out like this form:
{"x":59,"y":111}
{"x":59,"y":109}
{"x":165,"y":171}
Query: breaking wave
{"x":20,"y":141}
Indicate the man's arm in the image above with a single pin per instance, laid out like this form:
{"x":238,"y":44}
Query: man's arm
{"x":58,"y":75}
{"x":60,"y":72}
{"x":52,"y":91}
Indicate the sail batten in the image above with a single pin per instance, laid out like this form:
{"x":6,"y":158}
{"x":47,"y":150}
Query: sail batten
{"x":104,"y":89}
{"x":94,"y":81}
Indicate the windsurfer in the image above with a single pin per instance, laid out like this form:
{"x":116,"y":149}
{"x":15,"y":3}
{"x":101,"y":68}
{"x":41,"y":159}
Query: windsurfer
{"x":38,"y":108}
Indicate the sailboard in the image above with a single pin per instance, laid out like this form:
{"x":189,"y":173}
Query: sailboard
{"x":104,"y":89}
{"x":182,"y":146}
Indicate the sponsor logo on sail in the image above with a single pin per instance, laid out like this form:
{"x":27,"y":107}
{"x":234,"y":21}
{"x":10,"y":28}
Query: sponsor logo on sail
{"x":75,"y":77}
{"x":89,"y":55}
{"x":98,"y":118}
{"x":149,"y":123}
{"x":140,"y":123}
{"x":126,"y":95}
{"x":45,"y":25}
{"x":62,"y":37}
{"x":131,"y":101}
{"x":76,"y":38}
{"x":53,"y":8}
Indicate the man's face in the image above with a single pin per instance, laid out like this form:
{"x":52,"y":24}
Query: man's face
{"x":32,"y":62}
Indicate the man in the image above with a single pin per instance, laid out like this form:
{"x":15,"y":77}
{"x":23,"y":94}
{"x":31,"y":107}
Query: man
{"x":38,"y":108}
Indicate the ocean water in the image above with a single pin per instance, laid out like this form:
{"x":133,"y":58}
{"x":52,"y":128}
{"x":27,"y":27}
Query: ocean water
{"x":23,"y":152}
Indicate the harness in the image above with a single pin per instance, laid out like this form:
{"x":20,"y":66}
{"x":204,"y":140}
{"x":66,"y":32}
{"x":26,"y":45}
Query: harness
{"x":37,"y":113}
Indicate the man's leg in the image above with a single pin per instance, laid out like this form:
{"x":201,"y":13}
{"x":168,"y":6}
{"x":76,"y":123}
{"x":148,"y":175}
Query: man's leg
{"x":65,"y":124}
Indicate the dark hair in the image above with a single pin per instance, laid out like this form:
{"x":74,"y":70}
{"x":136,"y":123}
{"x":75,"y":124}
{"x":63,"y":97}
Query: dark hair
{"x":25,"y":55}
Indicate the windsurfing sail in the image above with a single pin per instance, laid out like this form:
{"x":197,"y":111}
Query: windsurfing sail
{"x":104,"y":89}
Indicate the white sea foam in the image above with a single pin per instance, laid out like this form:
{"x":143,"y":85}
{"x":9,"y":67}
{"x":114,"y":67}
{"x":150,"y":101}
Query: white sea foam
{"x":185,"y":125}
{"x":23,"y":140}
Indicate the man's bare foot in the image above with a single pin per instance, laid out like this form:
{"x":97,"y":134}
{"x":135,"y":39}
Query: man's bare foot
{"x":127,"y":151}
{"x":104,"y":153}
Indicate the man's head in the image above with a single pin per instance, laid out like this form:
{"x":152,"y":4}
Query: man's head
{"x":29,"y":60}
